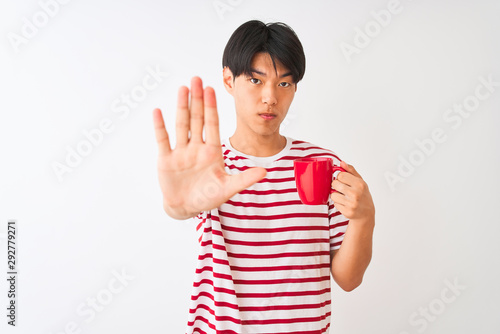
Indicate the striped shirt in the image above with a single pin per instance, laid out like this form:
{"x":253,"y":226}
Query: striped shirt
{"x":264,"y":259}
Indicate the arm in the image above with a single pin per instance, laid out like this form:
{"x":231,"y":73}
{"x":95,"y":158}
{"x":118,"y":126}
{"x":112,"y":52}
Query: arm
{"x":354,"y":201}
{"x":349,"y":263}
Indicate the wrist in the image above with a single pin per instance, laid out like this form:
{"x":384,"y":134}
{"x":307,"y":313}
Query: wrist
{"x":365,"y":222}
{"x":176,"y":211}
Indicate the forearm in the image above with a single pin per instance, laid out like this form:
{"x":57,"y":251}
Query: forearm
{"x":350,"y":262}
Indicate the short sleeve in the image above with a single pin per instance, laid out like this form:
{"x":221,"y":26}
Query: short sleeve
{"x":338,"y":225}
{"x":200,"y":220}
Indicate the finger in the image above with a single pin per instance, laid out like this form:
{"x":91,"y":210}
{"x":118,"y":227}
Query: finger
{"x":211,"y":117}
{"x":350,"y":177}
{"x":196,"y":110}
{"x":338,"y":199}
{"x":349,"y":168}
{"x":182,"y":117}
{"x":339,"y":186}
{"x":243,"y":180}
{"x":161,"y":133}
{"x":349,"y":181}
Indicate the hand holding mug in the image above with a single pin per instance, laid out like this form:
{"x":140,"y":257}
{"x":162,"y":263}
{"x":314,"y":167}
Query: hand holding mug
{"x":313,"y":177}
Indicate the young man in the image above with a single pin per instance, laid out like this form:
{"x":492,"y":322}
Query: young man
{"x":265,"y":258}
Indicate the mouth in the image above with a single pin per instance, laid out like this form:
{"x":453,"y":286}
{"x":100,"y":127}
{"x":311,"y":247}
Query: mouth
{"x":267,"y":116}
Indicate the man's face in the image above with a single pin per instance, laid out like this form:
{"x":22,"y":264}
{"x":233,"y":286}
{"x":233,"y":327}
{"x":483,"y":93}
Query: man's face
{"x":262,"y":99}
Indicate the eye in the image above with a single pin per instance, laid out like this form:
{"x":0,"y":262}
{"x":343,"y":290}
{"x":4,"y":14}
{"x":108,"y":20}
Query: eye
{"x":285,"y":84}
{"x":251,"y":80}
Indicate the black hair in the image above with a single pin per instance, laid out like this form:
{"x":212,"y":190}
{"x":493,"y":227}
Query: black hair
{"x":277,"y":39}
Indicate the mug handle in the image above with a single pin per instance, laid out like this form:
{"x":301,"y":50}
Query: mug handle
{"x":336,"y":168}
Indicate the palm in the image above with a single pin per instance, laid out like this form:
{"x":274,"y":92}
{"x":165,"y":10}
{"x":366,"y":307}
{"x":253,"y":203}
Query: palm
{"x":192,"y":176}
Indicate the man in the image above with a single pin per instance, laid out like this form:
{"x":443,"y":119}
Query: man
{"x":265,"y":258}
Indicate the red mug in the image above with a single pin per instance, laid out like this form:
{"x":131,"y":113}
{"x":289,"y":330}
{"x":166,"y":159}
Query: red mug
{"x":313,"y":177}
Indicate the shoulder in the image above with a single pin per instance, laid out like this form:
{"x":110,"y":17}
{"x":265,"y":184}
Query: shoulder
{"x":309,"y":149}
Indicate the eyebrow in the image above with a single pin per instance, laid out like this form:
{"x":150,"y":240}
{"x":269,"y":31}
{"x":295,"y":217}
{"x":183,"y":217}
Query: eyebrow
{"x":253,"y":70}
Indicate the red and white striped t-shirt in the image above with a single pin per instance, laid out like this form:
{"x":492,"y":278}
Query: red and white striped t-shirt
{"x":264,"y":260}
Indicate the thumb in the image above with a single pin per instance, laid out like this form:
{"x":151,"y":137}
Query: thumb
{"x":245,"y":179}
{"x":349,"y":168}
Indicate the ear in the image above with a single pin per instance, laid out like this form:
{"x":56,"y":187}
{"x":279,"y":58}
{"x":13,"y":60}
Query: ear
{"x":227,"y":78}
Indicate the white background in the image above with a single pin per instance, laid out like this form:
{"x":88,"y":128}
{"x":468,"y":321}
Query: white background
{"x":439,"y":225}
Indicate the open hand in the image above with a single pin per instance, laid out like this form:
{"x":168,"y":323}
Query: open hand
{"x":192,"y":176}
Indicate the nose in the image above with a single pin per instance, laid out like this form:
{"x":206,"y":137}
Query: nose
{"x":269,"y":96}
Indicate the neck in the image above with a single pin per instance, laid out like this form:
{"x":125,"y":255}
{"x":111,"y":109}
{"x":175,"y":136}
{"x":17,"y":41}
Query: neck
{"x":259,"y":146}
